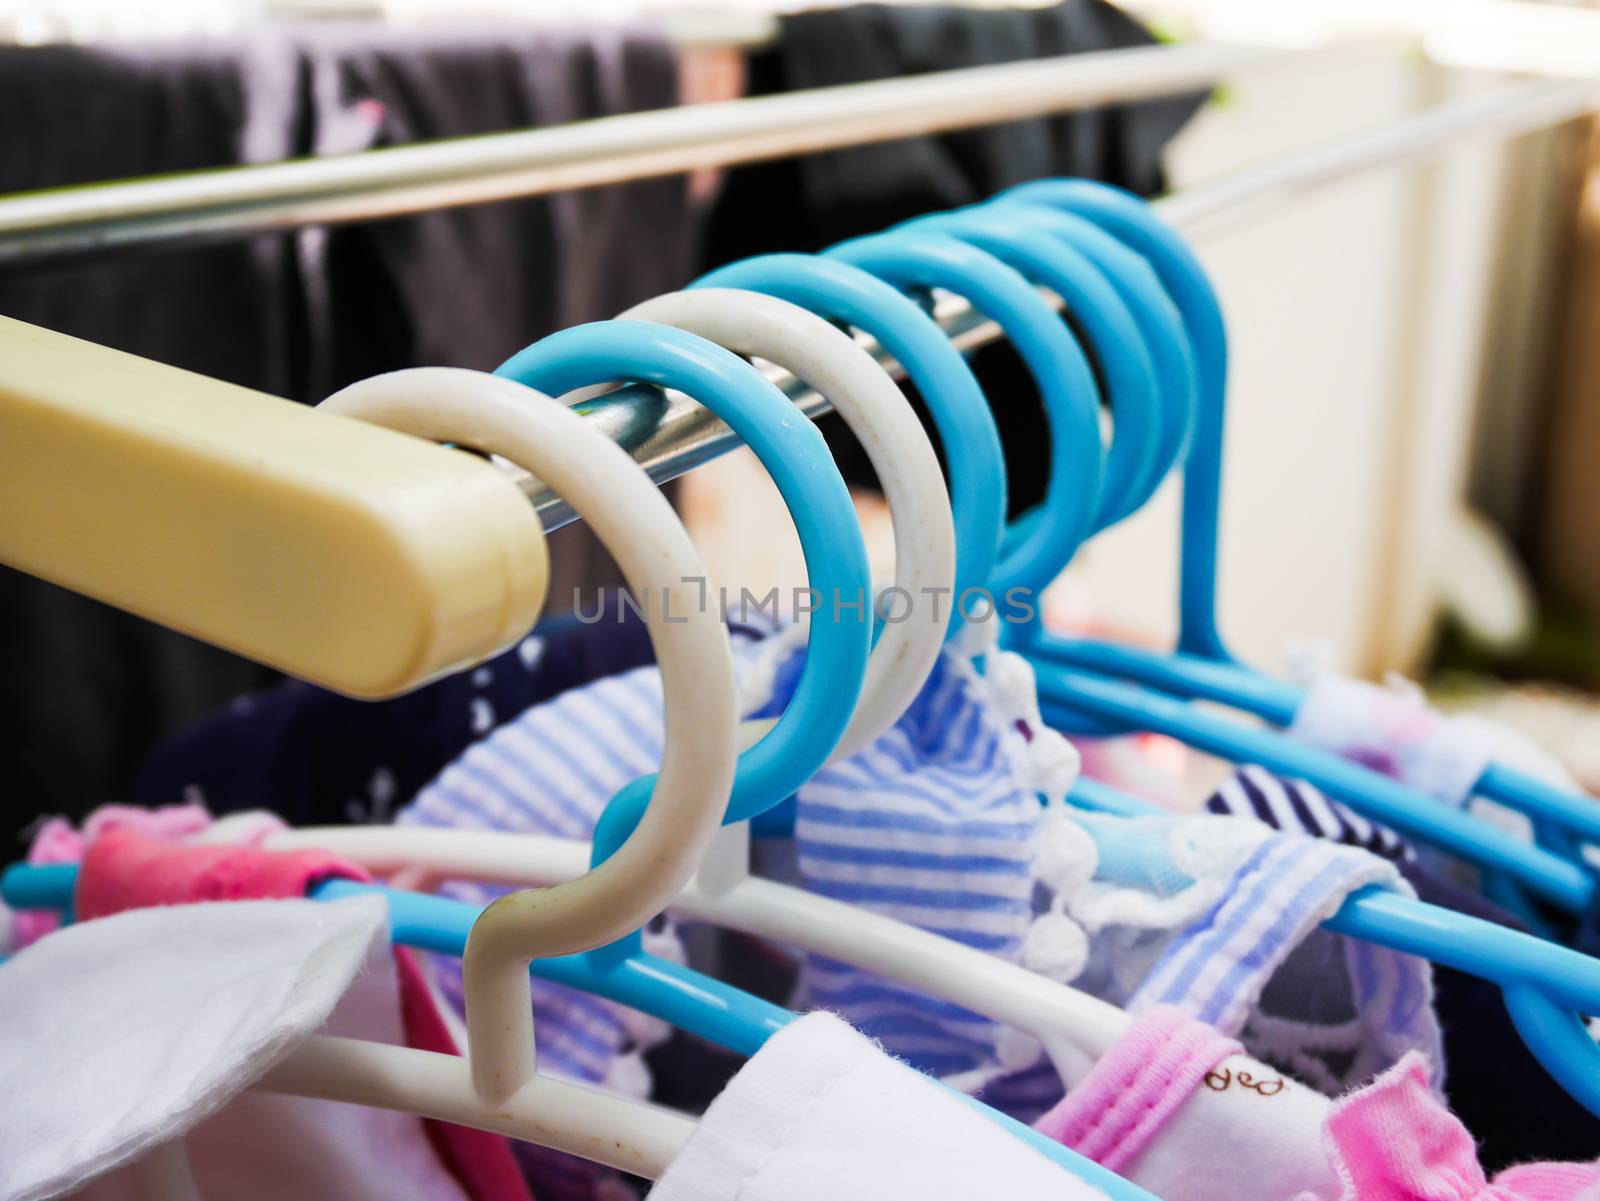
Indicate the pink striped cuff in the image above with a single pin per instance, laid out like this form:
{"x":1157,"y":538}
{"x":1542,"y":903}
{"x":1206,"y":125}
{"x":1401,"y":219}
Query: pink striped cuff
{"x":1137,"y":1086}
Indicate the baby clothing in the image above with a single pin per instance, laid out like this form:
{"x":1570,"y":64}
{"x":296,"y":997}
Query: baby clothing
{"x":318,"y":758}
{"x":125,"y":869}
{"x":1506,"y":1098}
{"x":124,"y":1033}
{"x":1177,"y":1109}
{"x":1393,"y":731}
{"x":1394,"y":1141}
{"x":940,"y":824}
{"x":58,"y":841}
{"x":820,"y":1111}
{"x":935,"y":825}
{"x":1301,"y":807}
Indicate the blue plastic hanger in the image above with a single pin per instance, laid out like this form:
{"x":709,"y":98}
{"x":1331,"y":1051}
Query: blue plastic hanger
{"x":1111,"y":337}
{"x":1128,"y":218}
{"x":918,"y":260}
{"x":797,"y":457}
{"x":675,"y":994}
{"x":1202,"y":667}
{"x":973,"y":456}
{"x":1065,"y":694}
{"x":1159,"y":321}
{"x":1128,"y":372}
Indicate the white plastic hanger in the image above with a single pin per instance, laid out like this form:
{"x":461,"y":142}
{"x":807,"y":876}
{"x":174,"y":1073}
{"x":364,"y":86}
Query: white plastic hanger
{"x":497,"y":1087}
{"x":1074,"y":1027}
{"x":871,"y":404}
{"x":163,"y":1174}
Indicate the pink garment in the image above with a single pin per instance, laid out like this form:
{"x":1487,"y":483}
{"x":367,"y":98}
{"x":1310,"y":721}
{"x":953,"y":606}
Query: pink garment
{"x":1395,"y":1141}
{"x":57,"y":841}
{"x":1137,"y":1086}
{"x":1176,"y":1109}
{"x":126,"y":867}
{"x":1393,"y":731}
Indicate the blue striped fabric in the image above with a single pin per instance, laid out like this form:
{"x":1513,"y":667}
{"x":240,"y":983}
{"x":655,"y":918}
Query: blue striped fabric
{"x":934,"y":824}
{"x":1252,"y":960}
{"x":938,"y":824}
{"x":1216,"y":967}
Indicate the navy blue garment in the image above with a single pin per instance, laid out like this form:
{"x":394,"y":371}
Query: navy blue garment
{"x":809,"y":202}
{"x":1494,"y":1085}
{"x":317,"y":758}
{"x":1295,"y":805}
{"x":1508,"y":1101}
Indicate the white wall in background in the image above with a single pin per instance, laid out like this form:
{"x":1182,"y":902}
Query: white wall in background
{"x":1355,"y":320}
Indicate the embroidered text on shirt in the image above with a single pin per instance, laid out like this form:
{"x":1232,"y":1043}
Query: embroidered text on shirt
{"x":1219,"y":1080}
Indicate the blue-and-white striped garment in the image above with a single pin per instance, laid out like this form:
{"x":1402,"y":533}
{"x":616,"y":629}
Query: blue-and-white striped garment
{"x":934,"y":825}
{"x":1251,"y":960}
{"x":937,"y":825}
{"x":1218,"y":967}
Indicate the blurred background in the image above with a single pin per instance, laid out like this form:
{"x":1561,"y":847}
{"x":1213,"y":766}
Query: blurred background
{"x":1412,"y":481}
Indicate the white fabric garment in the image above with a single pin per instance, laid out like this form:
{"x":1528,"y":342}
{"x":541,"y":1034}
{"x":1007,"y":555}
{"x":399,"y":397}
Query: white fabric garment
{"x":1237,"y":1137}
{"x":822,"y":1112}
{"x":126,"y":1031}
{"x":1177,"y":1109}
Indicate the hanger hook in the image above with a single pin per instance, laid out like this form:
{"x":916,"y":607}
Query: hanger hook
{"x":636,"y":523}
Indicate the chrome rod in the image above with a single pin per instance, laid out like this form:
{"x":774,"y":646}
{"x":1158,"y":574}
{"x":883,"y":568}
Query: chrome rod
{"x":65,"y":224}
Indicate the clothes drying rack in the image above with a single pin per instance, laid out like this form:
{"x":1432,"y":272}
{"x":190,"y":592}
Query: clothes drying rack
{"x":76,"y":491}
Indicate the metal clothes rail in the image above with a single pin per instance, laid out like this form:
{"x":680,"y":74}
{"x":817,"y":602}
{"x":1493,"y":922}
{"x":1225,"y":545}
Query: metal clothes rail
{"x":62,"y":224}
{"x":671,"y":434}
